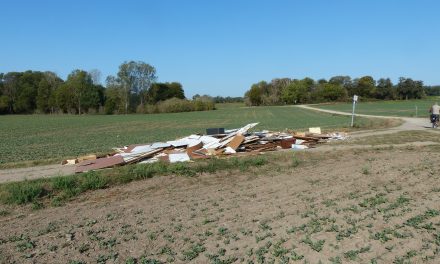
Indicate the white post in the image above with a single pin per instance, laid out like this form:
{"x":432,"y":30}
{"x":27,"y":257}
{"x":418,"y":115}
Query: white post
{"x":355,"y":98}
{"x":416,"y":110}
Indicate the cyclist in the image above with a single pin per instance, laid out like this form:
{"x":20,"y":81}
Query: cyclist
{"x":435,"y":111}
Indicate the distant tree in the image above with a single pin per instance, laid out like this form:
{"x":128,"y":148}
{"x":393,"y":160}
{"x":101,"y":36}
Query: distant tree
{"x":228,"y":99}
{"x":365,"y":87}
{"x":163,"y":91}
{"x":85,"y":94}
{"x":254,"y":95}
{"x":4,"y":100}
{"x":10,"y":89}
{"x":4,"y":104}
{"x":95,"y":74}
{"x":65,"y":98}
{"x":296,"y":92}
{"x":407,"y":88}
{"x":45,"y":92}
{"x":432,"y":90}
{"x":344,"y":81}
{"x":322,"y":81}
{"x":27,"y":91}
{"x":329,"y":92}
{"x":136,"y":77}
{"x":385,"y":89}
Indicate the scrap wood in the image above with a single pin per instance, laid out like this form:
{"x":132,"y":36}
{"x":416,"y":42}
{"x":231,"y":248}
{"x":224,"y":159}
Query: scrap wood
{"x":144,"y":156}
{"x":236,"y":142}
{"x":87,"y":157}
{"x":178,"y":157}
{"x":250,"y":139}
{"x":305,"y":137}
{"x":69,"y":162}
{"x":101,"y":163}
{"x":315,"y":130}
{"x":241,"y":131}
{"x":130,"y":148}
{"x":194,"y":147}
{"x":287,"y":143}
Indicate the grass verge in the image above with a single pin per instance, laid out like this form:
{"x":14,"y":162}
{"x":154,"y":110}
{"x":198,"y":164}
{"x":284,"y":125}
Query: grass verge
{"x":60,"y":189}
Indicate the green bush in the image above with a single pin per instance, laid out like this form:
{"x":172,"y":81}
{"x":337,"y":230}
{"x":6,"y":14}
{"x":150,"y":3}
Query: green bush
{"x":176,"y":105}
{"x":93,"y":181}
{"x":68,"y":185}
{"x":24,"y":192}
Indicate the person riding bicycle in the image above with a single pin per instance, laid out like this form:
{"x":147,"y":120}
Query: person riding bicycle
{"x":435,"y":112}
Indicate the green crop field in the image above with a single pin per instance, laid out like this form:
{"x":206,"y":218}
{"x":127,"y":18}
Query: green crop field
{"x":27,"y":138}
{"x":407,"y":108}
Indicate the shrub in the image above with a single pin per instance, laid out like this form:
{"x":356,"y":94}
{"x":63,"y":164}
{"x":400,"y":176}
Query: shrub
{"x":175,"y":105}
{"x":24,"y":192}
{"x":93,"y":181}
{"x":68,"y":185}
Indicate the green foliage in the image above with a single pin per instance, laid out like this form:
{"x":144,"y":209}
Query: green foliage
{"x":410,"y":89}
{"x":328,"y":92}
{"x":193,"y":252}
{"x":92,"y":181}
{"x":24,"y":192}
{"x":297,"y":92}
{"x":176,"y":105}
{"x":317,"y":246}
{"x":338,"y":88}
{"x":163,"y":91}
{"x":255,"y":93}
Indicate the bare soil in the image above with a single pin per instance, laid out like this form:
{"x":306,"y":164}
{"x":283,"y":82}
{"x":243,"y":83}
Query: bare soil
{"x":342,"y":206}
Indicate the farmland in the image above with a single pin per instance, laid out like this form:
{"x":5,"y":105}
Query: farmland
{"x":387,"y":108}
{"x":378,"y":205}
{"x":371,"y":199}
{"x":50,"y":138}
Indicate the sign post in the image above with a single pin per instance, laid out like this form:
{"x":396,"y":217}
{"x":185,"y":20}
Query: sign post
{"x":355,"y":99}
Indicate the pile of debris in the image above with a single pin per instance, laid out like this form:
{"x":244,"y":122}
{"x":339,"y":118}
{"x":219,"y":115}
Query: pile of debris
{"x":216,"y":142}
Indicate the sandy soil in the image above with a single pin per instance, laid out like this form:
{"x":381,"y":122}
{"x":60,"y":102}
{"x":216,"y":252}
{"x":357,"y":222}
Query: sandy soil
{"x":352,"y":206}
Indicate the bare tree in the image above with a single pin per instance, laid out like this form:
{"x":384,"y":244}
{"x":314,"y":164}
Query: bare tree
{"x":96,"y":76}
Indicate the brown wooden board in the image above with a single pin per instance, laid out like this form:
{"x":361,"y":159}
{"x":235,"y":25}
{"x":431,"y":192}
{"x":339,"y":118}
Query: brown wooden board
{"x":96,"y":164}
{"x":236,"y":142}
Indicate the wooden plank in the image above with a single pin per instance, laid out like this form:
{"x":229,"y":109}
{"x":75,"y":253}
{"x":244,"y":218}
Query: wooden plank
{"x":236,"y":142}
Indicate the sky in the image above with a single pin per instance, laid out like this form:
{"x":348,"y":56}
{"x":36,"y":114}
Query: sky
{"x":222,"y":47}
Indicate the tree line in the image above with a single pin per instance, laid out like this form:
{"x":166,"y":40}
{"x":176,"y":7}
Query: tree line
{"x":338,"y":88}
{"x":132,"y":89}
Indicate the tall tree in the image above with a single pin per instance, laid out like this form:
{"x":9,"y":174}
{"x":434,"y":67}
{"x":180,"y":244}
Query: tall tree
{"x":296,"y":92}
{"x":254,"y":95}
{"x":45,"y":93}
{"x":365,"y":86}
{"x":163,"y":91}
{"x":385,"y":89}
{"x":81,"y":85}
{"x":95,"y":74}
{"x":10,"y":89}
{"x":407,"y":88}
{"x":136,"y":77}
{"x":27,"y":91}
